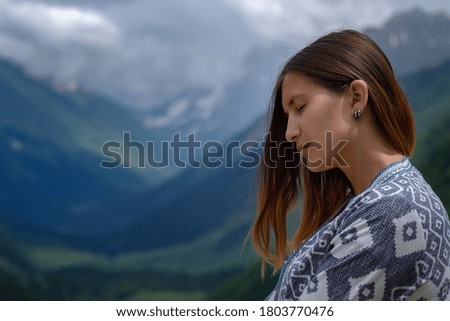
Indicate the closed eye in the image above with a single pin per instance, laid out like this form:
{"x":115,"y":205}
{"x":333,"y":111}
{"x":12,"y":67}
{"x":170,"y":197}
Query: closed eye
{"x":299,"y":108}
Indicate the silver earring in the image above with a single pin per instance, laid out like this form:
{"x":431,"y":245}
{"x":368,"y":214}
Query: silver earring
{"x":357,"y":113}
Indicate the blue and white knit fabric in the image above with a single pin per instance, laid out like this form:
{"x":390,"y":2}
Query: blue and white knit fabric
{"x":391,"y":242}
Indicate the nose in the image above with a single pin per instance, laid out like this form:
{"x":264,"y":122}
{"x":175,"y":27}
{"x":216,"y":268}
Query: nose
{"x":292,"y":131}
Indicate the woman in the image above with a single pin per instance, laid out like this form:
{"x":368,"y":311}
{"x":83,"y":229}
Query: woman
{"x":340,"y":136}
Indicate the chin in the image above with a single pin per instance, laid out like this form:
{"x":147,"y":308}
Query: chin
{"x":317,"y":167}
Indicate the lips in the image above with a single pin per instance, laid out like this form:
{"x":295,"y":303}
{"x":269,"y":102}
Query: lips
{"x":303,"y":147}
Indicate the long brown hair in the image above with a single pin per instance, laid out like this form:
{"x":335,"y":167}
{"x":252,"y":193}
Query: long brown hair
{"x":333,"y":61}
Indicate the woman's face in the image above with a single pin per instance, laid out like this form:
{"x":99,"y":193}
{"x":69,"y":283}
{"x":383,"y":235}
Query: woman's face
{"x":319,"y":121}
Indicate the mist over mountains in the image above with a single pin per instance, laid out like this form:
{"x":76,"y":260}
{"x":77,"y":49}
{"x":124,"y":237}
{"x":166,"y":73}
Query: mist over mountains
{"x":170,"y":60}
{"x":414,"y":40}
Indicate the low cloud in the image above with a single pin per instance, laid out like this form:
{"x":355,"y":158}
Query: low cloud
{"x":138,"y":52}
{"x":144,"y":52}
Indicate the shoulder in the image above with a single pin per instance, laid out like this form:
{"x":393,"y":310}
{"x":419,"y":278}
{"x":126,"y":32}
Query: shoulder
{"x":402,"y":194}
{"x":400,"y":213}
{"x":401,"y":219}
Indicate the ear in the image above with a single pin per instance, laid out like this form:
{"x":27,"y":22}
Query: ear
{"x":359,"y":93}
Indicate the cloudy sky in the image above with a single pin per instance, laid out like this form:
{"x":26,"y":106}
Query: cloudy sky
{"x":142,"y":52}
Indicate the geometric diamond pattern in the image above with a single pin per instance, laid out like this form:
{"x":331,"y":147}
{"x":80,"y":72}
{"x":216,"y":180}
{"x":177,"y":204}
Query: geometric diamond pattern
{"x":366,"y":291}
{"x":368,"y":287}
{"x":391,"y":242}
{"x":409,"y":236}
{"x":409,"y":231}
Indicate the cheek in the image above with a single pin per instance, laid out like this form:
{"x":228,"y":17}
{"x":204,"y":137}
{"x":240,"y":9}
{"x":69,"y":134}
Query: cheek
{"x":337,"y":125}
{"x":327,"y":115}
{"x":338,"y":131}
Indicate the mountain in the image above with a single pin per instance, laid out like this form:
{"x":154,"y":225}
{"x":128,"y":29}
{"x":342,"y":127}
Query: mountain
{"x":199,"y":201}
{"x":428,"y":91}
{"x":414,"y":40}
{"x":208,"y":205}
{"x":435,"y":162}
{"x":51,"y":147}
{"x":222,"y":112}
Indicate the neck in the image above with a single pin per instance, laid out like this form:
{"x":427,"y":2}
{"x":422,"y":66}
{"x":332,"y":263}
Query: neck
{"x":367,"y":154}
{"x":364,"y":167}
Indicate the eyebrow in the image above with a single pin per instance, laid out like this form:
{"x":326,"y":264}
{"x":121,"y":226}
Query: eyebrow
{"x":293,"y":98}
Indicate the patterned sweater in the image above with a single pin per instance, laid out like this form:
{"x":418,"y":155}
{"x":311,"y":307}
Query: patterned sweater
{"x":391,"y":242}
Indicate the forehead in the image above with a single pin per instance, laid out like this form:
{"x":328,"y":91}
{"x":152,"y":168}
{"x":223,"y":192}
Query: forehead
{"x":295,"y":85}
